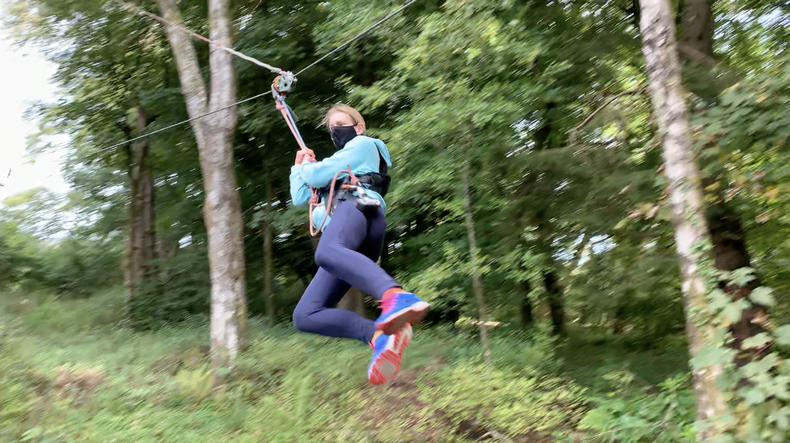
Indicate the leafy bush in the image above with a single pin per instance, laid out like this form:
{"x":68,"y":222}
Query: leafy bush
{"x":505,"y":401}
{"x":181,"y":289}
{"x":75,"y":266}
{"x":631,"y":414}
{"x":67,"y":372}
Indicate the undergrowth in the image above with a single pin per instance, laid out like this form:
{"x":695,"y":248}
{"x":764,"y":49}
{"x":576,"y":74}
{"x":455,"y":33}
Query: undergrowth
{"x":70,"y":371}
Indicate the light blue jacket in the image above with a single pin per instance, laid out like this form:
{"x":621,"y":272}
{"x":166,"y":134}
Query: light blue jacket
{"x":361,"y":154}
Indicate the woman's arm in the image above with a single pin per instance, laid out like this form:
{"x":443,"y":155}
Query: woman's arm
{"x":300,"y":192}
{"x":356,"y":154}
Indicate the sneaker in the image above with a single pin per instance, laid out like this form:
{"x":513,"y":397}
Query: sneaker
{"x":402,"y":308}
{"x":387,"y":353}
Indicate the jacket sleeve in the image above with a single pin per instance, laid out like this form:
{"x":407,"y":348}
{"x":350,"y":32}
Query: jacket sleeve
{"x":320,"y":174}
{"x":300,"y":193}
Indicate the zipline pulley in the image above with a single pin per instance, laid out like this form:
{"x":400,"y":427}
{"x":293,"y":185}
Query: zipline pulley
{"x":284,"y":83}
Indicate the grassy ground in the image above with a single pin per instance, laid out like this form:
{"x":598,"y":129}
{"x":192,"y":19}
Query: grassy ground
{"x":68,"y":372}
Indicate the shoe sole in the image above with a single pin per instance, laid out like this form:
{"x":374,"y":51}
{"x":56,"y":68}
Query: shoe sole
{"x":388,"y":363}
{"x":411,"y":315}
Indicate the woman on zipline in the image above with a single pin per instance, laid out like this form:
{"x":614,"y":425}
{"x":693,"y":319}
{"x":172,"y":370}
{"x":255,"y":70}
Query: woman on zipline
{"x":352,"y":240}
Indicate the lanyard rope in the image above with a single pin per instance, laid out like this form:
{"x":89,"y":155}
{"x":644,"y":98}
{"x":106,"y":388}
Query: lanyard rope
{"x":315,"y":200}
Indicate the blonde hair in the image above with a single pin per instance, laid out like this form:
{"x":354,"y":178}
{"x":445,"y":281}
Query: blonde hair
{"x":351,"y":112}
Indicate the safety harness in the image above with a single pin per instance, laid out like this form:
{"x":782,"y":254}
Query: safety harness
{"x":344,"y":188}
{"x":337,"y":190}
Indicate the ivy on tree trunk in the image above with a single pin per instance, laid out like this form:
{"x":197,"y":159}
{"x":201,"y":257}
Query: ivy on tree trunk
{"x":685,"y":194}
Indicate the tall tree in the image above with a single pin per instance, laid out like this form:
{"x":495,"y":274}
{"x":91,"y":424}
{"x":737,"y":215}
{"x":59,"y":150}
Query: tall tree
{"x":127,"y":58}
{"x":222,"y":205}
{"x":267,"y":230}
{"x":727,"y":232}
{"x":477,"y":280}
{"x":141,"y":242}
{"x":685,"y":191}
{"x":696,"y":37}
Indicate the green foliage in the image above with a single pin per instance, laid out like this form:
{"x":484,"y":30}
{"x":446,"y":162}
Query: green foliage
{"x":196,"y":383}
{"x":77,"y":375}
{"x":36,"y":254}
{"x":758,"y":389}
{"x":633,"y":413}
{"x":545,"y":102}
{"x":508,"y":401}
{"x":182,"y":290}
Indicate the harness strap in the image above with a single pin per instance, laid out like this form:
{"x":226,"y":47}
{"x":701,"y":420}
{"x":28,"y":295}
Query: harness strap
{"x":315,"y":200}
{"x":329,"y":200}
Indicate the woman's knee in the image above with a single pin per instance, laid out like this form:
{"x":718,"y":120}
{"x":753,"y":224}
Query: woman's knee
{"x":301,"y":320}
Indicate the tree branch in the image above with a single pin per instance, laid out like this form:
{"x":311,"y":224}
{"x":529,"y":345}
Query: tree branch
{"x":728,"y":74}
{"x":696,"y":55}
{"x":192,"y":84}
{"x":603,"y":106}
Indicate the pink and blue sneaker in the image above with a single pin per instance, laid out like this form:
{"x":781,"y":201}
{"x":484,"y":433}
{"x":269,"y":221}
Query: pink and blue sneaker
{"x":399,"y":309}
{"x":387,"y":354}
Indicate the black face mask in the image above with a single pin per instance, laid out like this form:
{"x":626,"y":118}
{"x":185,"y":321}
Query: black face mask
{"x":342,"y":135}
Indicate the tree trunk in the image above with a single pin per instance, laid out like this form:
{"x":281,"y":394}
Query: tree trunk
{"x":696,"y":25}
{"x":477,"y":281}
{"x":525,"y":309}
{"x":166,"y":248}
{"x":685,"y":190}
{"x":222,"y":205}
{"x":729,"y":249}
{"x":580,"y":254}
{"x":353,"y":301}
{"x":619,"y":320}
{"x":545,"y":140}
{"x":724,"y":223}
{"x":268,"y":259}
{"x":141,"y":244}
{"x":695,"y":19}
{"x":551,"y":280}
{"x":556,"y":304}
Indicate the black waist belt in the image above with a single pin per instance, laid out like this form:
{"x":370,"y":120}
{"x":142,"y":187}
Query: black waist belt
{"x":378,"y":182}
{"x":373,"y":181}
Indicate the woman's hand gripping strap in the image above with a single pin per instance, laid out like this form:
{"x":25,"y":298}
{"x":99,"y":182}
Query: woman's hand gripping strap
{"x":352,"y":179}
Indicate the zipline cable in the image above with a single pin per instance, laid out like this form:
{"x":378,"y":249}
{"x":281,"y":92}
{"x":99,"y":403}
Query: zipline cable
{"x":186,"y":30}
{"x":245,"y":57}
{"x":197,"y":117}
{"x":358,"y":36}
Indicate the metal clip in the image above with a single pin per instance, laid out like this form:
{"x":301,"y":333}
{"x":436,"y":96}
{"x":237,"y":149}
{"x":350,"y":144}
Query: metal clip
{"x":365,"y":203}
{"x":284,"y":82}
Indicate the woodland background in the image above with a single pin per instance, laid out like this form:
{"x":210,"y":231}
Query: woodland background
{"x":530,"y":122}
